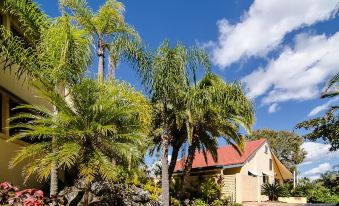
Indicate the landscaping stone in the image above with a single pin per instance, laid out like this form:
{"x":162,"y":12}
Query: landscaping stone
{"x":106,"y":194}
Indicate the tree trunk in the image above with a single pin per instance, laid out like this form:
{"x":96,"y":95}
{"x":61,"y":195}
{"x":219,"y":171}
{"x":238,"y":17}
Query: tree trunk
{"x":101,"y":63}
{"x":174,"y":158}
{"x":164,"y":173}
{"x":54,"y":184}
{"x":53,"y":190}
{"x":188,"y":164}
{"x":111,"y":69}
{"x":86,"y":197}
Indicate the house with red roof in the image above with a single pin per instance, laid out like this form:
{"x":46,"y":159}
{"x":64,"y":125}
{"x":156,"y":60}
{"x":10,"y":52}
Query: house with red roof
{"x":241,"y":175}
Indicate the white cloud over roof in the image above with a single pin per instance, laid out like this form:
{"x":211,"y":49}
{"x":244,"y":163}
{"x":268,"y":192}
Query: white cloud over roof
{"x":299,"y":72}
{"x":264,"y":26}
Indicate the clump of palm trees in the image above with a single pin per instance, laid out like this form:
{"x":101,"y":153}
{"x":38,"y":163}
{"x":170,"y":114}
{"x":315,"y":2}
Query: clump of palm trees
{"x":95,"y":126}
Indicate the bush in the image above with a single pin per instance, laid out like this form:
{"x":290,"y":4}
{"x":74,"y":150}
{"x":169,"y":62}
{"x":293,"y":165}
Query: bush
{"x":153,"y":189}
{"x":319,"y":194}
{"x":235,"y":204}
{"x":220,"y":202}
{"x":11,"y":195}
{"x":175,"y":202}
{"x":273,"y":191}
{"x":200,"y":202}
{"x":210,"y":190}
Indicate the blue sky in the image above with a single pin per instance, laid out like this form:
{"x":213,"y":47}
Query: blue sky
{"x":283,"y":52}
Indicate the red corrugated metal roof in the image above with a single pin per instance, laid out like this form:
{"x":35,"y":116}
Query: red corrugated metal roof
{"x":227,"y":155}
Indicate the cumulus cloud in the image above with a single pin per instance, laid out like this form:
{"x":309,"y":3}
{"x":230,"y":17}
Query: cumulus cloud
{"x":264,"y":26}
{"x":320,"y":169}
{"x":273,"y":108}
{"x":323,"y":107}
{"x":299,"y":72}
{"x":318,"y":151}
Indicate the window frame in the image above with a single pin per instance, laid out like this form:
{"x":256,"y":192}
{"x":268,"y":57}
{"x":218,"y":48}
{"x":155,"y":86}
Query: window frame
{"x":270,"y":164}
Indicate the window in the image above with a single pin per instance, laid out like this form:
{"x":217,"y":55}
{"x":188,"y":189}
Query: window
{"x":13,"y":103}
{"x":265,"y":178}
{"x":270,"y":164}
{"x":16,"y":33}
{"x":266,"y":149}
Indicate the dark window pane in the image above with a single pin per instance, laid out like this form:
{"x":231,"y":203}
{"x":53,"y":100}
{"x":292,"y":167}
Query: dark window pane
{"x":16,"y":33}
{"x":12,"y":112}
{"x":270,"y":164}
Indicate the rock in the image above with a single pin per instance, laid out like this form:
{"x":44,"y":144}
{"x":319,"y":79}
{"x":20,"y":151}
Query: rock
{"x":107,"y":194}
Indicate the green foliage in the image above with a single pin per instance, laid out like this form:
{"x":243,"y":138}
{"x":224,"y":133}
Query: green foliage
{"x":284,"y":144}
{"x":200,"y":202}
{"x":153,"y":189}
{"x":273,"y":191}
{"x":210,"y":190}
{"x":235,"y":204}
{"x":220,"y":202}
{"x":101,"y":123}
{"x":54,"y":58}
{"x":320,"y":194}
{"x":31,"y":19}
{"x":174,"y":202}
{"x":325,"y":128}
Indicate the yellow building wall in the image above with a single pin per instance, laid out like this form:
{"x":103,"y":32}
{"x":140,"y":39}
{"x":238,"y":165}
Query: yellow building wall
{"x":21,"y":89}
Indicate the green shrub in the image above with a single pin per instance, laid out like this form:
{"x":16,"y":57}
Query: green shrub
{"x":200,"y":202}
{"x":175,"y":202}
{"x":210,"y":190}
{"x":235,"y":204}
{"x":273,"y":191}
{"x":153,"y":189}
{"x":217,"y":203}
{"x":319,"y":194}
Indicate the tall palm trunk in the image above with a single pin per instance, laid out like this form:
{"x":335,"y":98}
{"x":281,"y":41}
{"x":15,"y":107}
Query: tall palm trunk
{"x":174,"y":158}
{"x":188,"y":164}
{"x":164,"y":172}
{"x":101,"y":55}
{"x":53,"y":190}
{"x":111,"y":69}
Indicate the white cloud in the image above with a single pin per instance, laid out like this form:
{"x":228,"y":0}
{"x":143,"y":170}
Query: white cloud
{"x":322,"y":168}
{"x":264,"y":26}
{"x":299,"y":72}
{"x":322,"y":107}
{"x":318,"y":151}
{"x":273,"y":108}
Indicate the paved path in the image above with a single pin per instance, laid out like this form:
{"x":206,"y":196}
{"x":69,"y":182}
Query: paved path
{"x":280,"y":204}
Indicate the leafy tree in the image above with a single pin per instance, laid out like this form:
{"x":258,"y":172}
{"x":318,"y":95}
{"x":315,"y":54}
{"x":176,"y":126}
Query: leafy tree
{"x":168,"y":80}
{"x":100,"y":123}
{"x":215,"y":109}
{"x":56,"y":59}
{"x":284,"y":144}
{"x":327,"y":126}
{"x":111,"y":34}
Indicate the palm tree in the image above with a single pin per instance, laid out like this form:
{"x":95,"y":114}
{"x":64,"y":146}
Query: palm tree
{"x":100,"y":123}
{"x":331,"y":90}
{"x":215,"y":109}
{"x":172,"y":70}
{"x":111,"y":33}
{"x":58,"y":59}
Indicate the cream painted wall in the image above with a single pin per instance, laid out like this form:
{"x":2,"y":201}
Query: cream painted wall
{"x":250,"y":185}
{"x":14,"y":176}
{"x":21,"y":89}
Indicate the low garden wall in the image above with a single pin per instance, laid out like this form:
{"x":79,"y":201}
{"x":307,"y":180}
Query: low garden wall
{"x":302,"y":200}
